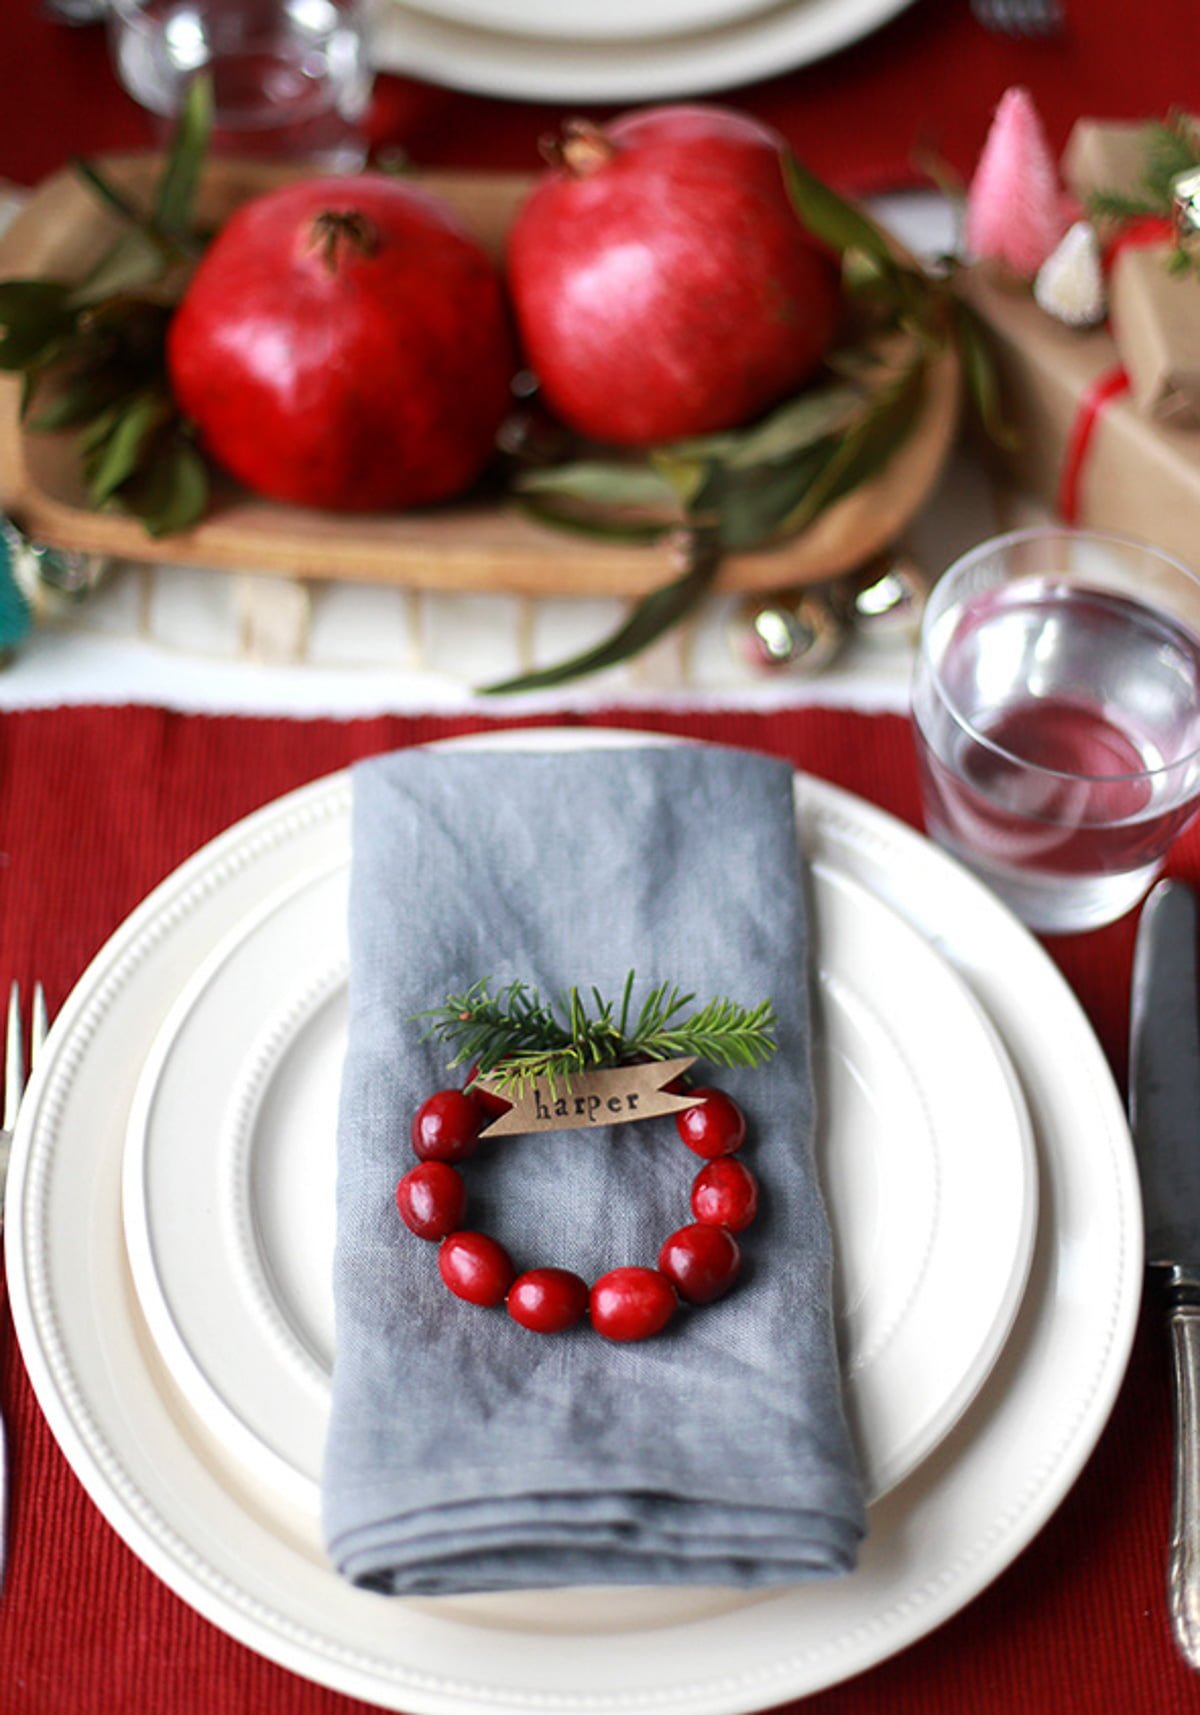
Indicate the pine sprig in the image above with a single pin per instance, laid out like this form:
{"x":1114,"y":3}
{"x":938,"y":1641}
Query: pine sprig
{"x":514,"y":1037}
{"x":1170,"y":147}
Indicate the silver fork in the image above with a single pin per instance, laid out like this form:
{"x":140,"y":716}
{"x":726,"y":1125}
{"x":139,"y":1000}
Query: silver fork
{"x":1020,"y":17}
{"x":15,"y":1068}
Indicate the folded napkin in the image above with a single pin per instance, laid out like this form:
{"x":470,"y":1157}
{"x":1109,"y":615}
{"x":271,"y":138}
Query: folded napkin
{"x":465,"y":1452}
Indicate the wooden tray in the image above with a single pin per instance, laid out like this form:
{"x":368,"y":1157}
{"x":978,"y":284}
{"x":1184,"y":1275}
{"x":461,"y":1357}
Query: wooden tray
{"x":473,"y":546}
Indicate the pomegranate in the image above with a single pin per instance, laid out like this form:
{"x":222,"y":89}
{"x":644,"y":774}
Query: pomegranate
{"x":344,"y":343}
{"x":662,"y":282}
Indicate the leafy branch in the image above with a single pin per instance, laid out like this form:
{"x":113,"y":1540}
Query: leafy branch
{"x":91,"y":354}
{"x":757,"y":486}
{"x":514,"y":1037}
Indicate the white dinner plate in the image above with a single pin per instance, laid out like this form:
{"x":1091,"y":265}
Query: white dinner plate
{"x":925,"y":1151}
{"x":252,"y":1562}
{"x":491,"y":62}
{"x":611,"y":20}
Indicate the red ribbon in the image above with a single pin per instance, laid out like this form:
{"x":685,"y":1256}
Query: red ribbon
{"x":1111,"y":383}
{"x":1136,"y":235}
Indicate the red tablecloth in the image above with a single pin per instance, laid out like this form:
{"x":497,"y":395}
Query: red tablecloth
{"x":931,"y":76}
{"x":96,"y":806}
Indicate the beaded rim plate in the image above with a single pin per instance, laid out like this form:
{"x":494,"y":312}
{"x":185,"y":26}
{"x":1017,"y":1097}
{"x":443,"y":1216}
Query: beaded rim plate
{"x":763,"y":43}
{"x":924,"y":1143}
{"x":253,"y":1566}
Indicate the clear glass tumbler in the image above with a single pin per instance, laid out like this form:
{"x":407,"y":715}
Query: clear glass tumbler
{"x":1056,"y":708}
{"x":291,"y":78}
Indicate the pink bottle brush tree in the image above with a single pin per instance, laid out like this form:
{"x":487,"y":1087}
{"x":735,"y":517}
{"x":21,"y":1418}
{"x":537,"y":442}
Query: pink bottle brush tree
{"x":1017,"y":210}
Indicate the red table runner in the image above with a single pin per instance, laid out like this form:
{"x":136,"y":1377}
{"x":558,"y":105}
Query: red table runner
{"x":932,"y":76}
{"x":96,"y":807}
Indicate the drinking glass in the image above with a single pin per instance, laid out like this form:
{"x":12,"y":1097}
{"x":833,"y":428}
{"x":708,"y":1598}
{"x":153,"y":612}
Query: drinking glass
{"x":1056,"y":707}
{"x":291,"y":78}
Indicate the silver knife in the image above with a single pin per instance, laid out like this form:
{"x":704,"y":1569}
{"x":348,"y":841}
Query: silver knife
{"x":1164,"y":1111}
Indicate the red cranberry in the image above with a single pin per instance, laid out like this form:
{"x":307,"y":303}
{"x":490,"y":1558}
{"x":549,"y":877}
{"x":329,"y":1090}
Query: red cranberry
{"x":700,"y":1262}
{"x":725,"y":1194}
{"x":716,"y":1126}
{"x":632,"y":1303}
{"x":446,"y":1126}
{"x":475,"y":1267}
{"x":492,"y":1103}
{"x":432,"y":1200}
{"x":547,"y":1300}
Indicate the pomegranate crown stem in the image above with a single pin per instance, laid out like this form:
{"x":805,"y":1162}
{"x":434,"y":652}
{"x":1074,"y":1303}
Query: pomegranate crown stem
{"x":581,"y":150}
{"x":334,"y":232}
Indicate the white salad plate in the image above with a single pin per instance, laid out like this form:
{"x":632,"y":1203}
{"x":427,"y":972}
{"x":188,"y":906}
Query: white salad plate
{"x":615,"y":20}
{"x":490,"y":61}
{"x":247,"y":1555}
{"x":925,"y":1150}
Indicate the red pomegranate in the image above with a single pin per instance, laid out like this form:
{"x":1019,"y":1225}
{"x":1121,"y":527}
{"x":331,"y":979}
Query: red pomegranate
{"x":344,"y":343}
{"x":662,"y":282}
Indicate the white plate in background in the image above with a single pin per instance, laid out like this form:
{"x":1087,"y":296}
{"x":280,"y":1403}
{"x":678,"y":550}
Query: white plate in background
{"x":490,"y":62}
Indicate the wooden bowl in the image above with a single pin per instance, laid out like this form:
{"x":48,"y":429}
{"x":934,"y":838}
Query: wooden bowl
{"x":472,"y":545}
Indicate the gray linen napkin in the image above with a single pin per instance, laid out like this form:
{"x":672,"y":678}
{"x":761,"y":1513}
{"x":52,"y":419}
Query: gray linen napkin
{"x":465,"y":1452}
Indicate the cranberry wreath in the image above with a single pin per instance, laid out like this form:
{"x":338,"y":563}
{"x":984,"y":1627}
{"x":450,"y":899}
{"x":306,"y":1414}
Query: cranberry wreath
{"x":514,"y":1041}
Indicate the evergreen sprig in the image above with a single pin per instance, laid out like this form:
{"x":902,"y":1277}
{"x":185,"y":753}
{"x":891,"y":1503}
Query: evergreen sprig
{"x":514,"y":1037}
{"x":1169,"y":147}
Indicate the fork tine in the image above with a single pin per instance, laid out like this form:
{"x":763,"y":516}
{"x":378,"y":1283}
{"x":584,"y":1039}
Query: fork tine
{"x":14,"y":1058}
{"x":39,"y":1023}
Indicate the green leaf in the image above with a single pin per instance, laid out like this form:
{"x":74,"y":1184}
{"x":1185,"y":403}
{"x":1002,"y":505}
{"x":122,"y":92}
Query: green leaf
{"x":21,"y":299}
{"x":865,"y":448}
{"x":134,"y":261}
{"x":980,"y":377}
{"x":561,"y":514}
{"x":169,"y":491}
{"x":596,"y":482}
{"x":833,"y":220}
{"x":77,"y":401}
{"x":686,"y":476}
{"x":752,"y":506}
{"x":185,"y":160}
{"x":653,"y":616}
{"x":794,"y":427}
{"x":96,"y":432}
{"x":32,"y":345}
{"x":116,"y":458}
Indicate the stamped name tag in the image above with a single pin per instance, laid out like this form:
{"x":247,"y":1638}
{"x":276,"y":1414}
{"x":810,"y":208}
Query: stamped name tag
{"x":609,"y":1096}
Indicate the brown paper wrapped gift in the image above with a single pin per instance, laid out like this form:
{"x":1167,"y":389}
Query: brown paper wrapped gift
{"x":1139,"y":475}
{"x":1155,"y":315}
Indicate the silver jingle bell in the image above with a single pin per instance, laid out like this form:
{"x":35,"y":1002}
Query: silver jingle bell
{"x":885,"y":601}
{"x":797,"y":631}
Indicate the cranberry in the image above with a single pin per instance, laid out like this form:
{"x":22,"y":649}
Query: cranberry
{"x":701,"y":1262}
{"x":492,"y":1103}
{"x":725,"y":1194}
{"x":475,"y":1267}
{"x":547,"y":1300}
{"x":715,"y":1126}
{"x":431,"y":1199}
{"x":632,"y":1303}
{"x":446,"y":1126}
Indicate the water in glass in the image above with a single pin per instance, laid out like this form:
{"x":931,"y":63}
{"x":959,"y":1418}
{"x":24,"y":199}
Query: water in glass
{"x":1057,"y":736}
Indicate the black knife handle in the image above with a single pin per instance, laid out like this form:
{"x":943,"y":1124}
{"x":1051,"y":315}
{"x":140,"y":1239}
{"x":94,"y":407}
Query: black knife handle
{"x":1183,"y":1565}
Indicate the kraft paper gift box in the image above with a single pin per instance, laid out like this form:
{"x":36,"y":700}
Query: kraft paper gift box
{"x":1138,"y":474}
